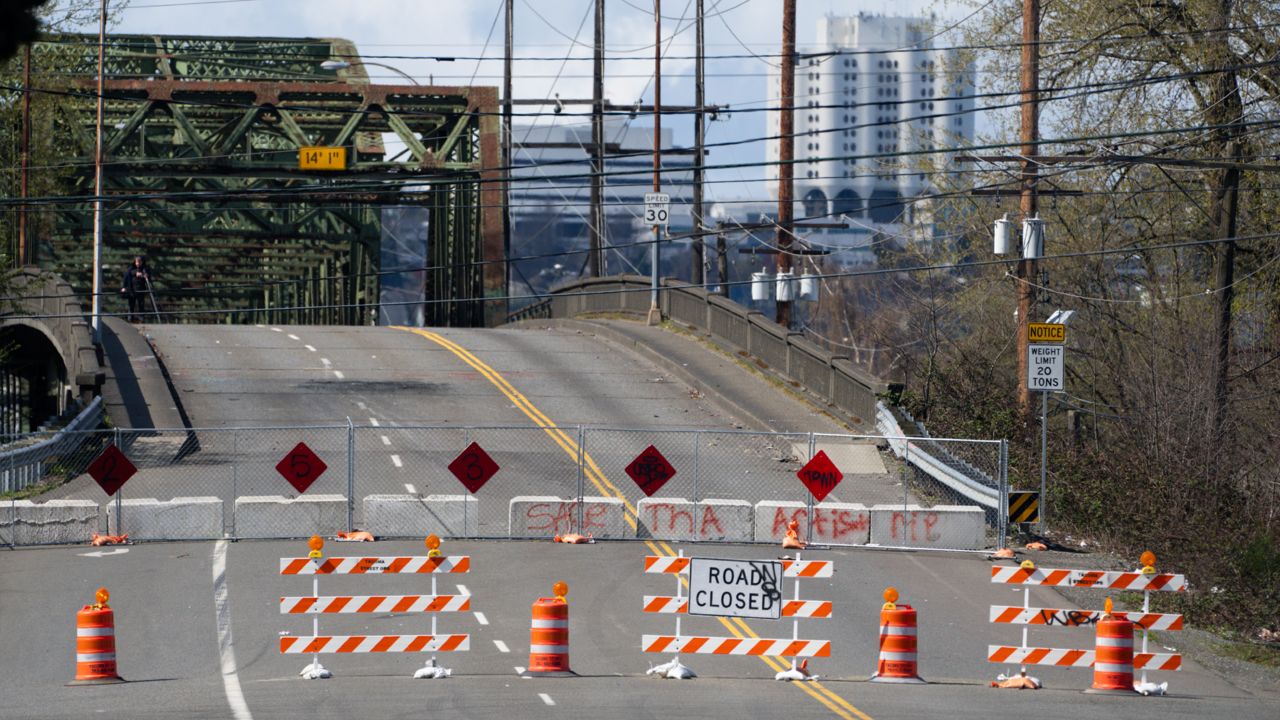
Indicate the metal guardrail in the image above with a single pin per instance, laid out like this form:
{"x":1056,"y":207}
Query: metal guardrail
{"x":956,"y":474}
{"x":21,"y":467}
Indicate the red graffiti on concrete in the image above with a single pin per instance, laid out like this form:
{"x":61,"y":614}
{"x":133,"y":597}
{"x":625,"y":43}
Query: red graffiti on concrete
{"x":678,"y":519}
{"x":829,"y":524}
{"x":557,"y":518}
{"x":912,"y":526}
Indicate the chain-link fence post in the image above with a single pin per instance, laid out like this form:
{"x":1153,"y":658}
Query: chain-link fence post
{"x":351,"y":475}
{"x":1003,"y":521}
{"x":466,"y":443}
{"x":907,"y":474}
{"x":10,"y":485}
{"x":697,"y":442}
{"x":582,"y":474}
{"x":808,"y":531}
{"x":235,"y":476}
{"x":119,"y":493}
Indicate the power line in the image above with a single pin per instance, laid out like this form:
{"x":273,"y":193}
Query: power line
{"x":956,"y":266}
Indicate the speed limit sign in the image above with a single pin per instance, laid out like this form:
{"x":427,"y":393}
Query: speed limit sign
{"x":657,"y":209}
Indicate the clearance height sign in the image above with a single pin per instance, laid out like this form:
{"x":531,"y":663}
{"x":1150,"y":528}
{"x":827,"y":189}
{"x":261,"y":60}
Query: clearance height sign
{"x":735,"y":588}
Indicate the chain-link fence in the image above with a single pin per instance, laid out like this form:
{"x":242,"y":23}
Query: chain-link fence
{"x":521,"y":482}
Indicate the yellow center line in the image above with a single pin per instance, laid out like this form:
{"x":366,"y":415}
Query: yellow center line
{"x":817,"y":691}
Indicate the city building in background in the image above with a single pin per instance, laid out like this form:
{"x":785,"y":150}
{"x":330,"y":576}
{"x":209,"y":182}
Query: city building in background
{"x":873,"y":99}
{"x":551,"y":202}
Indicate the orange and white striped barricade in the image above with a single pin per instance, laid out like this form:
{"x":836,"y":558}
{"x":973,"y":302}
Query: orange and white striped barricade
{"x":1146,"y":580}
{"x":96,"y":643}
{"x":316,"y":605}
{"x":735,"y":588}
{"x":897,"y":661}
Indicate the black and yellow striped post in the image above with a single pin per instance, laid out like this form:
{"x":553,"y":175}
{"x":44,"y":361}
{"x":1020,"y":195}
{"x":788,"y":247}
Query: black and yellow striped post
{"x":1024,"y":506}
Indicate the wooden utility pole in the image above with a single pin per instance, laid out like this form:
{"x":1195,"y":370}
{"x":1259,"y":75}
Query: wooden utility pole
{"x":655,"y":315}
{"x":699,"y":275}
{"x":786,"y":150}
{"x":24,"y":255}
{"x":508,"y":157}
{"x":598,"y":222}
{"x":98,"y":220}
{"x":1030,"y":98}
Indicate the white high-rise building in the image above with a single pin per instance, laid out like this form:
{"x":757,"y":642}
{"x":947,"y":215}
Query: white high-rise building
{"x":872,"y":89}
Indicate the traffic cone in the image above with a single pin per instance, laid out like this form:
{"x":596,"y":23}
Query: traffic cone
{"x":96,"y":643}
{"x":549,"y":636}
{"x":897,"y":663}
{"x":1113,"y":655}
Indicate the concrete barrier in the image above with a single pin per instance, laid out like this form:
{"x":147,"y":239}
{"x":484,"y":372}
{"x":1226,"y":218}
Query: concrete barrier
{"x":273,"y":516}
{"x":54,"y":522}
{"x":419,"y":516}
{"x":682,"y":520}
{"x":833,"y":523}
{"x":951,"y":527}
{"x":182,"y":518}
{"x":545,"y":516}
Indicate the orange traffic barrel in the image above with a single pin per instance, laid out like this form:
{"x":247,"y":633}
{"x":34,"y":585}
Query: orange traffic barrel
{"x":897,"y":663}
{"x":96,"y":644}
{"x":549,"y":639}
{"x":1113,"y":656}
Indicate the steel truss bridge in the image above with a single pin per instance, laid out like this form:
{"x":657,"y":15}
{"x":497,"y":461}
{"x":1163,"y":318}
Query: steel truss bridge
{"x":201,"y":145}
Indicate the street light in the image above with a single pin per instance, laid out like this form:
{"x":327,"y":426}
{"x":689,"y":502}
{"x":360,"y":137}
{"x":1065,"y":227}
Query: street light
{"x":345,"y":64}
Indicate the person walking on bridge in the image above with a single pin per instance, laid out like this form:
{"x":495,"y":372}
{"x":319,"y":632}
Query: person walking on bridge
{"x":135,"y":286}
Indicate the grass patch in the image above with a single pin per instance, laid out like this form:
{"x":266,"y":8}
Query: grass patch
{"x":1256,"y":653}
{"x":31,"y":491}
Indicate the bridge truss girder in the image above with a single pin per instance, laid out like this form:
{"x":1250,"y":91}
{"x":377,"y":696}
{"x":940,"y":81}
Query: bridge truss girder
{"x":202,"y":176}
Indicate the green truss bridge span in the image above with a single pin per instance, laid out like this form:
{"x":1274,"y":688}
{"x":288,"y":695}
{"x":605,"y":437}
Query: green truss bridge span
{"x":201,"y":175}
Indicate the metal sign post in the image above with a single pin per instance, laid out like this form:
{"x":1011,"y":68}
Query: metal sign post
{"x":1046,"y":372}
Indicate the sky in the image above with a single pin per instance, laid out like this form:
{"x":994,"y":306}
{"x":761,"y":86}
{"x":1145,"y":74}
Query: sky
{"x":415,"y":30}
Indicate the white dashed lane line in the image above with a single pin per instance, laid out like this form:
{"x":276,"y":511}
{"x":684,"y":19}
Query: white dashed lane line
{"x":395,"y":460}
{"x":502,"y":647}
{"x":374,"y":422}
{"x":294,"y":337}
{"x":276,"y":330}
{"x":309,"y":347}
{"x":546,"y":699}
{"x":480,"y":618}
{"x":409,"y":488}
{"x":520,"y":670}
{"x":386,"y":440}
{"x":360,"y":404}
{"x":338,"y":374}
{"x":325,"y":362}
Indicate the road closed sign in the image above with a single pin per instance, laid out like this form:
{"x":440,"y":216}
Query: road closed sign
{"x":1045,"y":367}
{"x":735,"y":588}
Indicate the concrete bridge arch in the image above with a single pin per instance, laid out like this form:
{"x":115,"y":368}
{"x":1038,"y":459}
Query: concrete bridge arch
{"x":50,"y":361}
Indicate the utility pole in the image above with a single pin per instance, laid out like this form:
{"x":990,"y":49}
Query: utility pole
{"x":597,"y":148}
{"x":1030,"y":83}
{"x":508,"y":158}
{"x":699,"y":275}
{"x":655,"y":315}
{"x":786,"y":150}
{"x":24,"y":254}
{"x":722,"y":264}
{"x":98,"y":220}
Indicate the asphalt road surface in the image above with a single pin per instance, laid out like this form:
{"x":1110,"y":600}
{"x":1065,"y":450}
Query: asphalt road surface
{"x":198,"y":624}
{"x":418,"y":398}
{"x":175,"y":641}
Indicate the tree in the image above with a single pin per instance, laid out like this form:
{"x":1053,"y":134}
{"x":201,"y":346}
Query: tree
{"x":19,"y":25}
{"x":1160,"y":117}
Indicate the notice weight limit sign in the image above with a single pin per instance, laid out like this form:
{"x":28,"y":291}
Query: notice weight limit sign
{"x":1045,"y":367}
{"x":735,"y":588}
